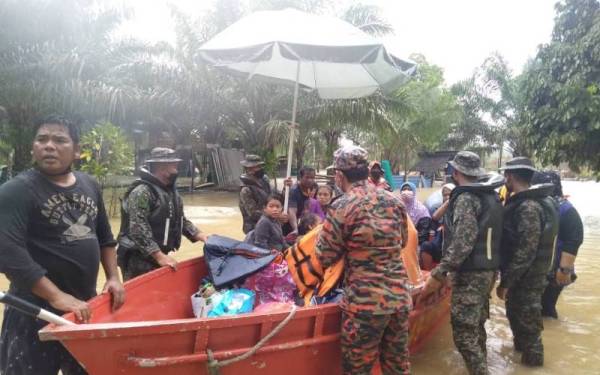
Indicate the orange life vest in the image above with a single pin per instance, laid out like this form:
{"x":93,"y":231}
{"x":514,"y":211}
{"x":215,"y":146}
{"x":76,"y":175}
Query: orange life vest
{"x":306,"y":269}
{"x":311,"y":279}
{"x":410,"y":257}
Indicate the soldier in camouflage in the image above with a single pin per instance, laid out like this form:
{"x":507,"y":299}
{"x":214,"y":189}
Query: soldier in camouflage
{"x":152,"y":218}
{"x":254,"y":192}
{"x":470,"y":257}
{"x":529,"y":238}
{"x":367,"y":227}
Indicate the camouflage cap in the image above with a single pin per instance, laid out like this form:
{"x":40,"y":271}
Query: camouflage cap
{"x":467,"y":163}
{"x":163,"y":155}
{"x":252,"y":161}
{"x":350,"y":157}
{"x":520,"y":162}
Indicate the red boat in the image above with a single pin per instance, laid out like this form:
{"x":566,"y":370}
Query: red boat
{"x":155,"y":332}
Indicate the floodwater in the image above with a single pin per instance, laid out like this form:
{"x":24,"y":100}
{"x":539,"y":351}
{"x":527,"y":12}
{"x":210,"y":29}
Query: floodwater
{"x":572,"y":343}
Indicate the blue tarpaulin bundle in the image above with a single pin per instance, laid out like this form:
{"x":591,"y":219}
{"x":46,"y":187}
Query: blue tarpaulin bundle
{"x":229,"y":260}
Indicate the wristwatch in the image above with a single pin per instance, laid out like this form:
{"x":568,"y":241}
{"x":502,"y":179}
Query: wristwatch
{"x":566,"y":270}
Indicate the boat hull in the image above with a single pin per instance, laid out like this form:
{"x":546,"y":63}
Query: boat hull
{"x":155,"y":332}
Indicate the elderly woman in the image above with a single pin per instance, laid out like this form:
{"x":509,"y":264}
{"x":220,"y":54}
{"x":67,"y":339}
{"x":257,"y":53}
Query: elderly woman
{"x":431,"y":251}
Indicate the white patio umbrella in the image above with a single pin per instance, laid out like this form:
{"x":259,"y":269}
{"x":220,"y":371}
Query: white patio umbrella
{"x":316,"y":52}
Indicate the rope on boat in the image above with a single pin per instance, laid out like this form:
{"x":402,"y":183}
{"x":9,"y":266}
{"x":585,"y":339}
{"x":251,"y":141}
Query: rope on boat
{"x":214,"y":365}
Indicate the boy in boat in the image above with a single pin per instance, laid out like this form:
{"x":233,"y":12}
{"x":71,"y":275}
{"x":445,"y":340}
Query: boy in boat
{"x":367,"y":226}
{"x":54,"y":234}
{"x":268,"y":233}
{"x":530,"y":233}
{"x":471,"y":253}
{"x":152,"y":218}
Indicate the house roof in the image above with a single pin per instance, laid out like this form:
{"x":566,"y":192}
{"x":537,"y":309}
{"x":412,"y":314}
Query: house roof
{"x":433,"y":161}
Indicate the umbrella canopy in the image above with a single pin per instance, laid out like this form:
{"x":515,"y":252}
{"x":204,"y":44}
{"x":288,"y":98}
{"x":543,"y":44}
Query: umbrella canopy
{"x":318,"y":52}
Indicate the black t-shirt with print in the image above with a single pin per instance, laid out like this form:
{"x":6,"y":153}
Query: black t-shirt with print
{"x":52,"y":231}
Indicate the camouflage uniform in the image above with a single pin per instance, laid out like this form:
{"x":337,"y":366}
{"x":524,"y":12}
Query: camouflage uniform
{"x":138,"y":258}
{"x":367,"y":226}
{"x":523,"y":301}
{"x":470,"y":289}
{"x":152,"y":220}
{"x":253,"y":193}
{"x":253,"y":198}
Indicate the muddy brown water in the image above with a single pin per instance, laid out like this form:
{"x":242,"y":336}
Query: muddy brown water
{"x":572,"y":343}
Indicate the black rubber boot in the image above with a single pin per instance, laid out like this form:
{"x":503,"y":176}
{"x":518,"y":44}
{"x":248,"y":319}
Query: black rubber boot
{"x":517,"y":345}
{"x":532,"y":359}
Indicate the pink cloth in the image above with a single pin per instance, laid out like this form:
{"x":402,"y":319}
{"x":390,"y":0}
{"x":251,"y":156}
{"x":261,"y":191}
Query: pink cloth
{"x":274,"y":283}
{"x":415,"y":209}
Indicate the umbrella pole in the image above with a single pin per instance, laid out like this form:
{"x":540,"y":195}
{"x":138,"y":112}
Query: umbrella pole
{"x":292,"y":135}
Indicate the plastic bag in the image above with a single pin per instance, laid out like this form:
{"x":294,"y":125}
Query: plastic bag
{"x":202,"y":300}
{"x":274,"y":283}
{"x":232,"y":302}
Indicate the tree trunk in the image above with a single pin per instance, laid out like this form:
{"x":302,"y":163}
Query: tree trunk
{"x":331,"y":141}
{"x":299,"y":152}
{"x":406,"y":152}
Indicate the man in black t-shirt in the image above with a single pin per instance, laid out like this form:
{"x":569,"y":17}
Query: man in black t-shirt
{"x":54,"y":234}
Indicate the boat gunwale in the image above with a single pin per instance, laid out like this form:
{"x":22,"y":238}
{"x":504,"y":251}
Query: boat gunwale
{"x":126,"y":329}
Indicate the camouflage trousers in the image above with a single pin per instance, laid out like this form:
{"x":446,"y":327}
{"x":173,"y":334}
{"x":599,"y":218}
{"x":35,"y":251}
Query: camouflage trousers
{"x":524,"y":313}
{"x":367,"y":337}
{"x":470,"y":309}
{"x":136,"y":264}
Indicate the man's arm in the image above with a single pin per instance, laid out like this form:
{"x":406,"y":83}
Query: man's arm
{"x":16,"y":262}
{"x":439,"y":213}
{"x":60,"y":300}
{"x":113,"y":285}
{"x":529,"y":230}
{"x":466,"y":211}
{"x":293,"y":219}
{"x":570,"y":233}
{"x":108,"y":255}
{"x":192,"y":232}
{"x":250,"y":204}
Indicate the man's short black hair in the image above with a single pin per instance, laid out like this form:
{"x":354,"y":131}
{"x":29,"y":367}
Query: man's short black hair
{"x":523,"y":175}
{"x":304,"y":170}
{"x":60,"y":120}
{"x":356,"y":174}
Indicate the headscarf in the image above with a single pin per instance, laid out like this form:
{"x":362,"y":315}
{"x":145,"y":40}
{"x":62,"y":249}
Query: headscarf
{"x":450,"y":186}
{"x":415,"y":209}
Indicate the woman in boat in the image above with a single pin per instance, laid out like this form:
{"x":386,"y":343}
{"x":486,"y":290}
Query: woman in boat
{"x":325,"y":196}
{"x":431,"y":251}
{"x":418,"y":213}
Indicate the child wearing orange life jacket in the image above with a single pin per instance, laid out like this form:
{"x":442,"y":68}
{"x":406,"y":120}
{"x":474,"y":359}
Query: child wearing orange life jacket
{"x":308,"y":222}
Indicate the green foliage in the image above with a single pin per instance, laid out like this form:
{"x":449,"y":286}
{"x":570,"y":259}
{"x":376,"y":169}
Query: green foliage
{"x":106,"y":151}
{"x":562,"y":96}
{"x":420,"y":116}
